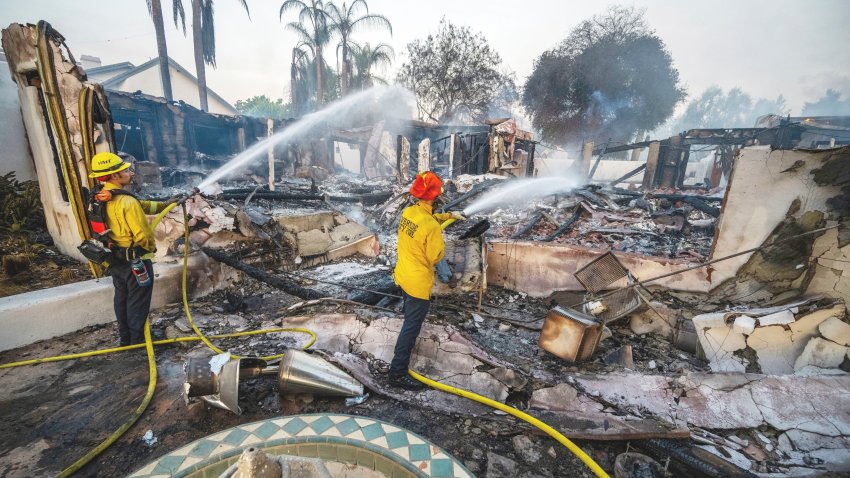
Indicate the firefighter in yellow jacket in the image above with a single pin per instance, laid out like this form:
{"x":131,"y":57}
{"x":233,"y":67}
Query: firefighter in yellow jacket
{"x":130,"y":237}
{"x":420,"y":248}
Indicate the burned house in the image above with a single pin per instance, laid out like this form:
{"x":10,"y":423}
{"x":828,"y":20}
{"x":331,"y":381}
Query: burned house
{"x":700,"y":301}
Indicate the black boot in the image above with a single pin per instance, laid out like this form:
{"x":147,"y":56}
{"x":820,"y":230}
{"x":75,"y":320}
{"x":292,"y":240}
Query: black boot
{"x":407,"y":382}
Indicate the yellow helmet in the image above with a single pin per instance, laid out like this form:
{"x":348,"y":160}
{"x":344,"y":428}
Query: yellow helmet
{"x":106,"y":163}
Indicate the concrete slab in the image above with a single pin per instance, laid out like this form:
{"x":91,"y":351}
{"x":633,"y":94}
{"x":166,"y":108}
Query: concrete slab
{"x":721,"y":401}
{"x":815,"y":404}
{"x":44,"y":314}
{"x":650,"y":393}
{"x":334,"y":332}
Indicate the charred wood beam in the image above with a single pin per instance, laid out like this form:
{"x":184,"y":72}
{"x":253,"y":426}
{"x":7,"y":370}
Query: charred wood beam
{"x":565,"y":226}
{"x":384,"y":288}
{"x":688,"y":460}
{"x":287,"y":285}
{"x":533,"y":222}
{"x":701,"y":205}
{"x":628,"y":175}
{"x":618,"y":149}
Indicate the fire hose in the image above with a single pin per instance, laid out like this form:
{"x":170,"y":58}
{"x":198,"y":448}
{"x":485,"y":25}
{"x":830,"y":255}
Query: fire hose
{"x":148,"y":345}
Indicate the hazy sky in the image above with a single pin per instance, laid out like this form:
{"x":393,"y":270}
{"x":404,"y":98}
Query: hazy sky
{"x":795,"y":48}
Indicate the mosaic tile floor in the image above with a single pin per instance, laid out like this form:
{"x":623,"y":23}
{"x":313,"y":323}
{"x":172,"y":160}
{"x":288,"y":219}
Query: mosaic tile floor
{"x":378,"y":445}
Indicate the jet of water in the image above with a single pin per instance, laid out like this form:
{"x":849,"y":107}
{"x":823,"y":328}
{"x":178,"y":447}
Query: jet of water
{"x":520,"y":191}
{"x":379,"y":99}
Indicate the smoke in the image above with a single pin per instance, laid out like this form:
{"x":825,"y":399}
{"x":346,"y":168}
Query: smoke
{"x":520,"y":191}
{"x":371,"y":105}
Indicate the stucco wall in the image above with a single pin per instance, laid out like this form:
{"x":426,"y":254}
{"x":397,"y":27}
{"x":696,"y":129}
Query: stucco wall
{"x":762,"y":187}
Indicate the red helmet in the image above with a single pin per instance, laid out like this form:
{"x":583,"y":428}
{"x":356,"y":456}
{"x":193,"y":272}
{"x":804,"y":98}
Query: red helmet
{"x":426,"y":186}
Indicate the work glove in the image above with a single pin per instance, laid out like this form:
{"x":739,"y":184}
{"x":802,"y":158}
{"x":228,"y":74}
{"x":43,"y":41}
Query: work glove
{"x":456,"y":215}
{"x":444,"y":271}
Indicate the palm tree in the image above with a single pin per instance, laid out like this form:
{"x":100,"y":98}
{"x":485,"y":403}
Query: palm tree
{"x":366,"y":58}
{"x":155,"y":11}
{"x":203,"y":37}
{"x":344,"y":22}
{"x":311,"y":14}
{"x":299,"y":82}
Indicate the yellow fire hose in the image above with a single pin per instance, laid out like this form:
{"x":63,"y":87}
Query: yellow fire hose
{"x":594,"y":467}
{"x":587,"y":460}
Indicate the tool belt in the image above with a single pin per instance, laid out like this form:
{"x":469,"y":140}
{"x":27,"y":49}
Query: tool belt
{"x":95,"y":251}
{"x":126,"y":254}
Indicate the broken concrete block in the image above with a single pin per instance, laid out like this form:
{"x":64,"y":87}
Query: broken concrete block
{"x":835,"y":330}
{"x":821,"y":353}
{"x":345,"y":233}
{"x":808,"y":324}
{"x":563,"y":398}
{"x":744,"y":324}
{"x":657,"y":319}
{"x":774,"y":348}
{"x":719,"y":344}
{"x":778,"y":318}
{"x":313,"y":242}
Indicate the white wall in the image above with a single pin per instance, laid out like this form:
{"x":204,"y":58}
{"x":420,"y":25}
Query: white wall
{"x":15,"y":151}
{"x":183,"y":88}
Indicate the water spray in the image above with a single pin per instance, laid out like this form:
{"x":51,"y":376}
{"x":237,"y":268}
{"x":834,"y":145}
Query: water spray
{"x":521,"y":191}
{"x":378,"y":99}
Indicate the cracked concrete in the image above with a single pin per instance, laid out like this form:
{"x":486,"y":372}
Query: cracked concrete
{"x":438,"y":353}
{"x":785,"y":346}
{"x":811,"y":413}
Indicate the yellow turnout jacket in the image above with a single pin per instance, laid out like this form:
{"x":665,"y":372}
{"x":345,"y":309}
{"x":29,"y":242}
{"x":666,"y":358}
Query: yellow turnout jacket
{"x":125,"y":216}
{"x":420,"y":248}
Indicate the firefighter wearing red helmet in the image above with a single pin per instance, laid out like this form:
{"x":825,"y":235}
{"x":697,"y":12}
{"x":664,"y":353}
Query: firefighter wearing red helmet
{"x":420,"y":248}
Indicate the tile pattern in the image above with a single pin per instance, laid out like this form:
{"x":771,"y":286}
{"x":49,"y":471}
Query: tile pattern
{"x":391,"y":450}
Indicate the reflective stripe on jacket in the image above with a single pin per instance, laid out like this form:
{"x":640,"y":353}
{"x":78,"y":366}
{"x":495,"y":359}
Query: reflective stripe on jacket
{"x":420,"y":248}
{"x":125,"y":216}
